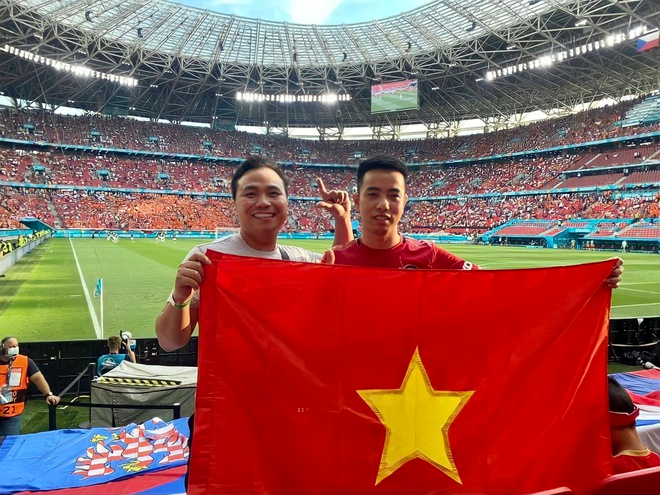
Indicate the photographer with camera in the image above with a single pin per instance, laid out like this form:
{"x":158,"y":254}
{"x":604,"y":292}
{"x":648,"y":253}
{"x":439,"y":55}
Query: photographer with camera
{"x":110,"y":361}
{"x":16,"y":372}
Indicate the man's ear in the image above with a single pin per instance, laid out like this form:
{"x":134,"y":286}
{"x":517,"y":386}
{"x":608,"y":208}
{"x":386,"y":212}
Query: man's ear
{"x":356,"y":200}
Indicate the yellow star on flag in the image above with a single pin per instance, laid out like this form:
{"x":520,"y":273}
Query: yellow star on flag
{"x":416,"y":419}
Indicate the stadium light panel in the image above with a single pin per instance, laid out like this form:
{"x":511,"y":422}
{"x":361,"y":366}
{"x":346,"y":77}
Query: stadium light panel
{"x":328,"y":98}
{"x":77,"y":70}
{"x":608,"y":41}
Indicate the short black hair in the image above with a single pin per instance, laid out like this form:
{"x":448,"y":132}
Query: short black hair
{"x":254,"y":162}
{"x":620,"y":401}
{"x":381,"y":162}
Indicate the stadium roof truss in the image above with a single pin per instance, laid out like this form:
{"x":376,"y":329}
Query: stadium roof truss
{"x":190,"y":63}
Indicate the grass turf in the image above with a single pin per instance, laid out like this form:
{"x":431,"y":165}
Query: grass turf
{"x":41,"y":298}
{"x":393,"y":102}
{"x":35,"y":417}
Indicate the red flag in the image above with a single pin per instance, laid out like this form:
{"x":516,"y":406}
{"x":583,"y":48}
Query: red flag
{"x":346,"y":380}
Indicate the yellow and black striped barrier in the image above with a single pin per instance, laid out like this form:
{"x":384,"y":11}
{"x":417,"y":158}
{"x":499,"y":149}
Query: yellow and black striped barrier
{"x":143,"y":382}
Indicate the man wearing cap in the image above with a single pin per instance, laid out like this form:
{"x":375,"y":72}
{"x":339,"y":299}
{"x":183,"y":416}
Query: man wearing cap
{"x":16,"y":372}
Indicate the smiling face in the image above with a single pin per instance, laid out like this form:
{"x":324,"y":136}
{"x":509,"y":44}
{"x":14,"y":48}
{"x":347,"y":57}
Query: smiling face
{"x":381,"y":202}
{"x":261,"y":203}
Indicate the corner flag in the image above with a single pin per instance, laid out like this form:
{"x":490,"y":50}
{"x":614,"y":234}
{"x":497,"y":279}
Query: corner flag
{"x":99,"y":288}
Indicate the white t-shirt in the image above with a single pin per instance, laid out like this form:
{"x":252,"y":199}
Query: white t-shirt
{"x":235,"y":245}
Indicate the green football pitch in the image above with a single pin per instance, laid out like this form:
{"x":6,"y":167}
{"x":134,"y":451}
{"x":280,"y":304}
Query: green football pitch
{"x":405,"y":100}
{"x":42,"y":297}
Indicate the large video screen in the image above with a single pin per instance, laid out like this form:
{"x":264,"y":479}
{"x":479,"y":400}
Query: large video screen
{"x":394,"y":96}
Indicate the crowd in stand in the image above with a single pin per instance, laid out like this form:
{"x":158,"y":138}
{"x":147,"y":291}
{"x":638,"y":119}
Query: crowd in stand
{"x":89,"y":209}
{"x":23,"y":203}
{"x":80,"y":208}
{"x":125,"y":133}
{"x":51,"y":167}
{"x":103,"y":210}
{"x":481,"y":214}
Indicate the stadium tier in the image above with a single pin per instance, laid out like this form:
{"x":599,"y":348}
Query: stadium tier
{"x":124,"y":133}
{"x":86,"y":188}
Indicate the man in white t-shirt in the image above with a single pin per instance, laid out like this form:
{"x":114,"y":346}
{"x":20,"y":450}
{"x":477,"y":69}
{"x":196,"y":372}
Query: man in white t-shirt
{"x":260,"y":192}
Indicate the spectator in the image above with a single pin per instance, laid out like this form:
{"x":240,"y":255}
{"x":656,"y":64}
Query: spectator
{"x":381,"y":198}
{"x":16,"y":372}
{"x":110,"y":361}
{"x":260,"y":192}
{"x":628,"y":451}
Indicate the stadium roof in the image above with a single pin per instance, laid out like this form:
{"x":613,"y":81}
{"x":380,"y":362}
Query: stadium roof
{"x":189,"y":64}
{"x":201,"y":34}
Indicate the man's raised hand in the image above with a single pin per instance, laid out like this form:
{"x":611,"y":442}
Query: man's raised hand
{"x":336,"y":202}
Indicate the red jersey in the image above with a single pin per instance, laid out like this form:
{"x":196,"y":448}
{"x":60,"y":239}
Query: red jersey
{"x":632,"y":460}
{"x":408,"y":254}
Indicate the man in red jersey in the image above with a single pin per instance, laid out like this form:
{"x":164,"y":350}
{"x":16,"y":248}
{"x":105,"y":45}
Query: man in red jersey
{"x":381,"y":199}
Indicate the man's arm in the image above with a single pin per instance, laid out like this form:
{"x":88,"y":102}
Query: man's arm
{"x":339,"y":206}
{"x":41,"y":383}
{"x":175,"y":324}
{"x":343,"y":230}
{"x":130,"y":355}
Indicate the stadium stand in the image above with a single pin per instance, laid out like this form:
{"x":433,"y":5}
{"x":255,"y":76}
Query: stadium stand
{"x":641,"y":230}
{"x":591,"y":180}
{"x":525,"y":229}
{"x":647,"y":111}
{"x":643,"y":176}
{"x":124,"y":133}
{"x":615,"y":157}
{"x":455,"y":197}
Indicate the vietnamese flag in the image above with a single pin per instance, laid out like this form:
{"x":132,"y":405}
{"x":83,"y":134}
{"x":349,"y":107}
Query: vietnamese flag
{"x":347,"y":380}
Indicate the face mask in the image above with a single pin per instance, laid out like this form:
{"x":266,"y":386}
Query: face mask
{"x":12,"y":351}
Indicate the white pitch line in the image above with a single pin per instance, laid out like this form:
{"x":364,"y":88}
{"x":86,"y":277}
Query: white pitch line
{"x":90,"y":306}
{"x":640,"y":290}
{"x":634,"y":305}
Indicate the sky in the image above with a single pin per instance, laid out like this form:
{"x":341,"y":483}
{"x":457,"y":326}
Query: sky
{"x":325,"y":12}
